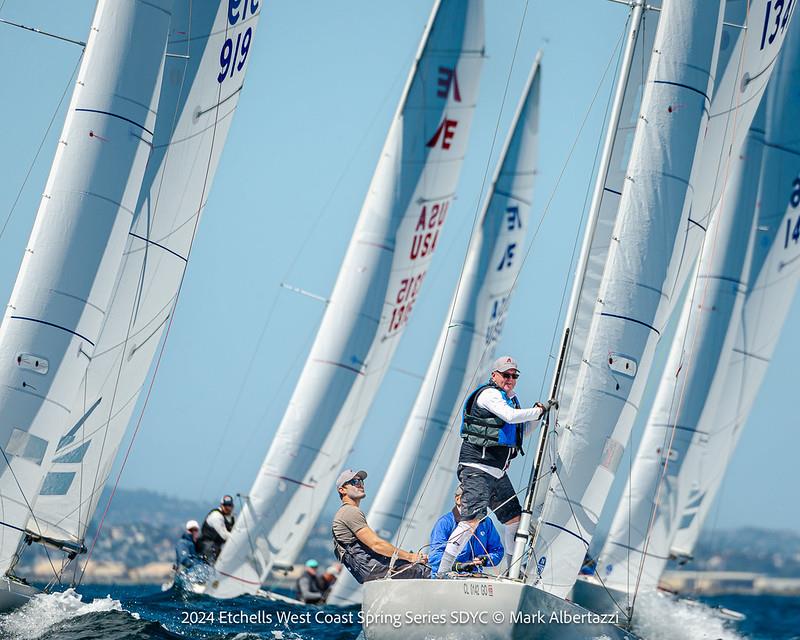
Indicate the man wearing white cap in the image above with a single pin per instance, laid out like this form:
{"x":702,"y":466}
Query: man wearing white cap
{"x":492,"y":430}
{"x":185,"y":553}
{"x":365,"y":554}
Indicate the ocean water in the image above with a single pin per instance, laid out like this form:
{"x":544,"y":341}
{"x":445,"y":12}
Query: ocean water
{"x":145,"y":612}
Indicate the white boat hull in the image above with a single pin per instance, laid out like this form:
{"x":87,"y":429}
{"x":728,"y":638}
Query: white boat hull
{"x":485,"y":608}
{"x":14,"y":594}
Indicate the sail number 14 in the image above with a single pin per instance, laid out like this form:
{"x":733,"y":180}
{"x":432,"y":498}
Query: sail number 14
{"x":233,"y":54}
{"x":793,"y":227}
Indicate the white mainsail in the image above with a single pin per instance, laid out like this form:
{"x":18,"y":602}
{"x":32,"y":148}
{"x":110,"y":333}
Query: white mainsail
{"x":208,"y":53}
{"x":414,"y":490}
{"x":772,"y":282}
{"x":646,"y":518}
{"x":52,"y":323}
{"x":379,"y":281}
{"x":638,"y":284}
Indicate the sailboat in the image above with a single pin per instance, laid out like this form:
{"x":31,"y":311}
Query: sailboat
{"x":382,"y":275}
{"x":576,"y":460}
{"x":148,"y":119}
{"x":426,"y":453}
{"x":747,"y":277}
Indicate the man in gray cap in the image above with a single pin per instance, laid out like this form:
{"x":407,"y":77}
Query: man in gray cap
{"x":365,"y":554}
{"x":492,"y":430}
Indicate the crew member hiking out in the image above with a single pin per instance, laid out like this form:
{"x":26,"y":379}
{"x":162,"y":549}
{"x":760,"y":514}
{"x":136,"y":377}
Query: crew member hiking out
{"x":492,"y":430}
{"x":216,"y":530}
{"x":365,"y":554}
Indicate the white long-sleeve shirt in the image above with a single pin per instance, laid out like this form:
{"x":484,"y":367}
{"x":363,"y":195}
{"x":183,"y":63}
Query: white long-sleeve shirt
{"x":492,"y":400}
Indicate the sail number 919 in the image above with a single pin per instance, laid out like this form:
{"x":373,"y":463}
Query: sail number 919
{"x":233,"y":54}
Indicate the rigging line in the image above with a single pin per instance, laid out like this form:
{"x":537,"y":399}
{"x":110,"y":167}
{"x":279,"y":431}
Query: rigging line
{"x":201,"y":200}
{"x":80,"y":43}
{"x":533,"y":238}
{"x":292,"y":264}
{"x":682,"y":394}
{"x":33,"y":515}
{"x":466,"y":256}
{"x":41,"y":145}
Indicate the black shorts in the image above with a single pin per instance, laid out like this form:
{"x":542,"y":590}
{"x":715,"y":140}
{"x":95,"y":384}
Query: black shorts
{"x":482,"y":491}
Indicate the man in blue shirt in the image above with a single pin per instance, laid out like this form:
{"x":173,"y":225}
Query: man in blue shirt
{"x":185,"y":553}
{"x":484,"y":548}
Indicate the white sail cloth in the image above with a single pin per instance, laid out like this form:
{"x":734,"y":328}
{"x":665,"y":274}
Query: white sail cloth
{"x":381,"y":276}
{"x":772,"y":283}
{"x":647,"y":515}
{"x":52,"y":324}
{"x":638,"y":283}
{"x":198,"y":99}
{"x":414,"y":491}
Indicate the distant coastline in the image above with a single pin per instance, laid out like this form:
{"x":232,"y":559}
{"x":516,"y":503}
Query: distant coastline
{"x":136,"y":546}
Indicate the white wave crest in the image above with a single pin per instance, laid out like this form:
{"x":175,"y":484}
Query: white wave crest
{"x":47,"y":609}
{"x":662,"y":617}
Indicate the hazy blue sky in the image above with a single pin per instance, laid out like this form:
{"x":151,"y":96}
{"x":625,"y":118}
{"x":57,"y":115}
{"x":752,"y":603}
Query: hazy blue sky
{"x":322,"y":85}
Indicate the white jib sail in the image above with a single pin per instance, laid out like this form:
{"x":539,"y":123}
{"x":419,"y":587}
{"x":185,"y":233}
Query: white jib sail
{"x":382,"y":274}
{"x":608,"y":190}
{"x":637,"y":547}
{"x":772,"y":282}
{"x":638,"y":284}
{"x":415,"y":491}
{"x":51,"y":326}
{"x":208,"y":56}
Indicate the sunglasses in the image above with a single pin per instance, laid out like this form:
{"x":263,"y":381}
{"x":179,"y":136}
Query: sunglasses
{"x":509,"y":376}
{"x":356,"y":482}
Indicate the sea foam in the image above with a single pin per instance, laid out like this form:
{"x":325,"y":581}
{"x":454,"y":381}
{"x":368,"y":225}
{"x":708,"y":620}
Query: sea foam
{"x":45,"y":610}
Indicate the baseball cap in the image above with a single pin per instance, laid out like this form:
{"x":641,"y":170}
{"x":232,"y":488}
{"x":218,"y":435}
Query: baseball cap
{"x":192,"y":524}
{"x":349,"y":474}
{"x":334,"y":569}
{"x":504,"y":364}
{"x":226,"y":501}
{"x":312,"y":563}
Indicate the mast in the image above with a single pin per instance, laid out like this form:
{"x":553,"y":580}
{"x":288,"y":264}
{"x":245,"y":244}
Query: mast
{"x":634,"y":22}
{"x":380,"y":279}
{"x":52,"y":323}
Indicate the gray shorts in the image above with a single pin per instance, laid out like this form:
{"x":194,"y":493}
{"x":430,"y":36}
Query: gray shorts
{"x":482,"y":491}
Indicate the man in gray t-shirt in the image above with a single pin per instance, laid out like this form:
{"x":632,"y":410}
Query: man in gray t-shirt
{"x":365,"y":554}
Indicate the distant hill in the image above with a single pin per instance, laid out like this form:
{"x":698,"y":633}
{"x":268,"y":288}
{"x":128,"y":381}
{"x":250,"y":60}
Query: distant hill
{"x":141,"y":529}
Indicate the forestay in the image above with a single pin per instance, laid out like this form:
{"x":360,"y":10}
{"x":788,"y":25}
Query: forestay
{"x":52,"y":323}
{"x":638,"y":284}
{"x":415,"y":489}
{"x":772,"y":282}
{"x":382,"y":274}
{"x":209,"y":49}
